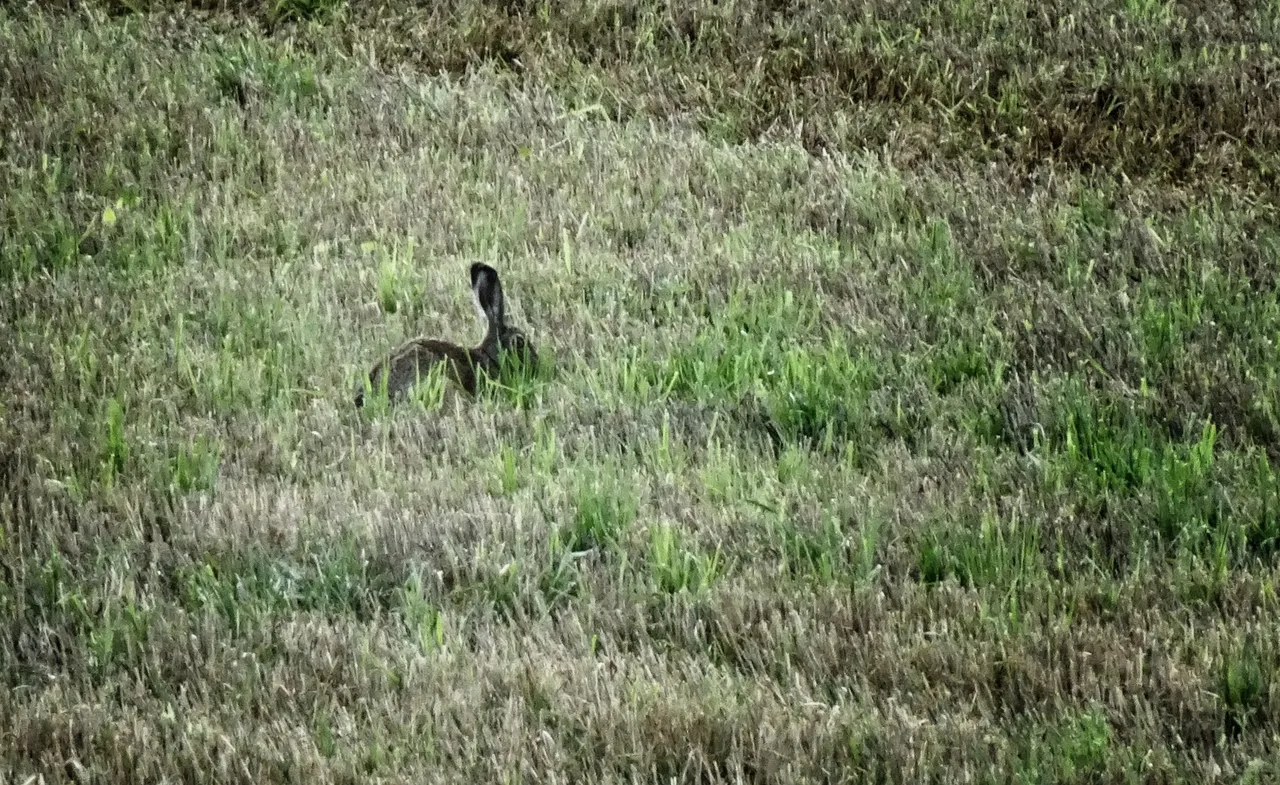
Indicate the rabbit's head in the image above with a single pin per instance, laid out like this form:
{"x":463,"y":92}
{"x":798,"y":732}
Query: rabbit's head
{"x":501,"y":339}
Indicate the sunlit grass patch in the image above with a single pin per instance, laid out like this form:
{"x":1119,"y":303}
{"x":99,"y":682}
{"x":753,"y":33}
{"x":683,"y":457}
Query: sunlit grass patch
{"x":395,"y":287}
{"x":1110,"y":453}
{"x":421,"y":611}
{"x":98,"y":618}
{"x":954,"y":364}
{"x":532,"y":585}
{"x":835,"y":550}
{"x":678,"y":564}
{"x":249,"y":586}
{"x":1074,"y":749}
{"x":982,"y":550}
{"x":1245,"y":676}
{"x":812,"y":382}
{"x":604,"y":507}
{"x":1259,"y":512}
{"x":1104,"y":443}
{"x":524,"y":465}
{"x":193,"y":465}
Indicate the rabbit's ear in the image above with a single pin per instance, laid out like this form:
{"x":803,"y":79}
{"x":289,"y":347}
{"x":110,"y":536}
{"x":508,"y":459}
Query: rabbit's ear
{"x":488,"y":292}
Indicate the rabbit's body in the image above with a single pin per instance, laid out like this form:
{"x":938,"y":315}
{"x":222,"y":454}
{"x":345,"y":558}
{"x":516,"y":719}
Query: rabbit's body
{"x":413,"y":360}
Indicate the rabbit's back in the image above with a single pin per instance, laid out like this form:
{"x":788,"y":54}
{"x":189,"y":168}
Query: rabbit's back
{"x":415,"y":359}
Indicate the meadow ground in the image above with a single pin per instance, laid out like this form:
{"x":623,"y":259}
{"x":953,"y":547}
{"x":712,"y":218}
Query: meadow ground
{"x":910,"y":409}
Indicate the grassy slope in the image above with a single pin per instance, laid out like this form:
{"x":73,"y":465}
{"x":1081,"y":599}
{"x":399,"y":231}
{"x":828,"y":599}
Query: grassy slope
{"x":931,"y":438}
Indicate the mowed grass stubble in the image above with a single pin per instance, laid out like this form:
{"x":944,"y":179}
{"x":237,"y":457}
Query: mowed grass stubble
{"x":871,"y":441}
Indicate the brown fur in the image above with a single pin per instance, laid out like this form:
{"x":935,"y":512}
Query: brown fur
{"x":414,"y":359}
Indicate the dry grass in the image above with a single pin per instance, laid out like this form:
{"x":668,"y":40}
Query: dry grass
{"x":932,"y":438}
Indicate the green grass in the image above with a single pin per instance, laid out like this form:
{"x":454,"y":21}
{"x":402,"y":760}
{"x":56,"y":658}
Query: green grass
{"x":907,"y":408}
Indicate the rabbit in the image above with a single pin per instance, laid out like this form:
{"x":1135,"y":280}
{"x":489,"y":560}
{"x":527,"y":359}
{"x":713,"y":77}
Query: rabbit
{"x":412,"y":360}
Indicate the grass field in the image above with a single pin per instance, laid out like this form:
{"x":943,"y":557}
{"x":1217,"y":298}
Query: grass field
{"x":909,"y":408}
